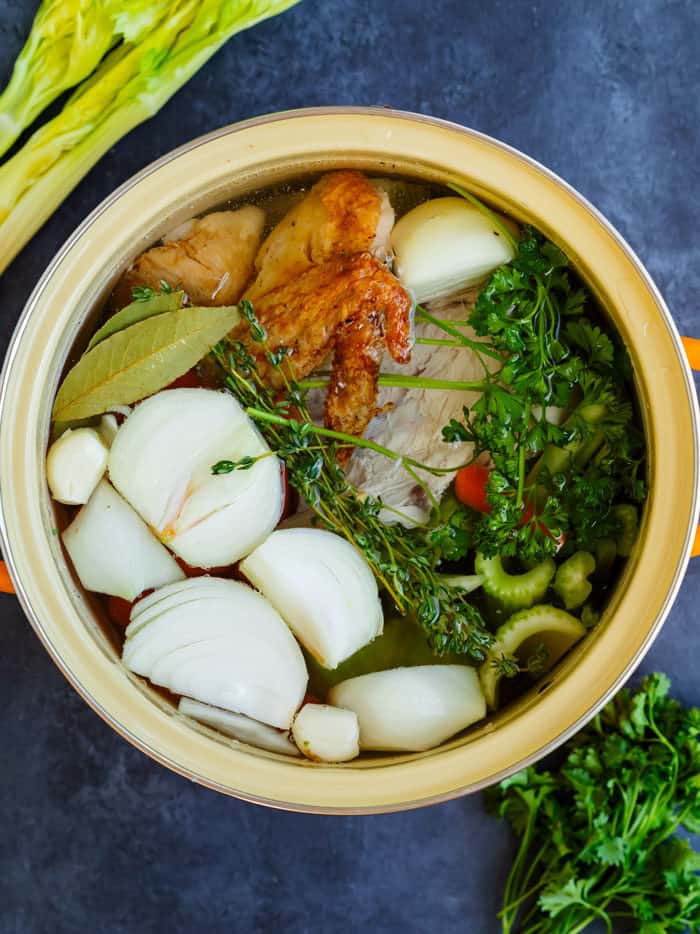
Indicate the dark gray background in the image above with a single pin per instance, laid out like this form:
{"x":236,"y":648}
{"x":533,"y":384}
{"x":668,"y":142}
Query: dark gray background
{"x":93,"y":835}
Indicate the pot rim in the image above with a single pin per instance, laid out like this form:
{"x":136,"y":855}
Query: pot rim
{"x":641,"y":271}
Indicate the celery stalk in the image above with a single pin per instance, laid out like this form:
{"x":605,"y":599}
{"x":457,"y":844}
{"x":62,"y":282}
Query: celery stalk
{"x":67,"y":41}
{"x":129,"y":86}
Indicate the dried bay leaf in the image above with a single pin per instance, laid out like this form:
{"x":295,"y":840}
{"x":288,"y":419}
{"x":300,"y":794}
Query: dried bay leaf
{"x":140,"y":360}
{"x":137,"y":311}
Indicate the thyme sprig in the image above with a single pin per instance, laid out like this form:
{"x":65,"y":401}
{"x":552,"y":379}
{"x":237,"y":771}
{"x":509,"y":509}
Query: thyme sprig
{"x":402,"y":559}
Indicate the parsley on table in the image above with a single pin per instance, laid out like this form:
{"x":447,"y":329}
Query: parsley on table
{"x":598,"y":835}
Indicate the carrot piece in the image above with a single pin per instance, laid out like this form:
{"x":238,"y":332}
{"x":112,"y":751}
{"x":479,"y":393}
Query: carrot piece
{"x":695,"y":550}
{"x":691,"y":345}
{"x":6,"y":585}
{"x":470,"y":486}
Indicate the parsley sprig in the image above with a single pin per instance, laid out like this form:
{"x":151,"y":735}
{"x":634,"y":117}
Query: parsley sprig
{"x":403,"y":559}
{"x":598,"y":835}
{"x":549,"y":480}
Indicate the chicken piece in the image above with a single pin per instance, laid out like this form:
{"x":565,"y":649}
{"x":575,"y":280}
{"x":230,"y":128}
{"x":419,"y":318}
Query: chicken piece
{"x":344,"y":213}
{"x":411,"y":420}
{"x":349,"y":305}
{"x":211,"y":258}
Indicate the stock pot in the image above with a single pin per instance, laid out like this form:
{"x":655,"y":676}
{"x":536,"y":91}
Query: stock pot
{"x":228,"y":164}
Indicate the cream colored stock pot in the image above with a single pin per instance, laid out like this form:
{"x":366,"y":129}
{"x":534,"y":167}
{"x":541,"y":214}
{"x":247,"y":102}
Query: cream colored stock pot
{"x":227,"y":164}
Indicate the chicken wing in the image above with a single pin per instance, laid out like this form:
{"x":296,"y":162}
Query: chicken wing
{"x":351,"y":306}
{"x":344,"y":213}
{"x":211,"y":258}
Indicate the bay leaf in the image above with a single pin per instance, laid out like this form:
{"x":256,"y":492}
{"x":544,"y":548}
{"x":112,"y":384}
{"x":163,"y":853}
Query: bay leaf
{"x":141,"y":359}
{"x":137,"y":311}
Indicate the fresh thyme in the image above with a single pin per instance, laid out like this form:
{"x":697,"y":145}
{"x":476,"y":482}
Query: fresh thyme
{"x":403,"y":559}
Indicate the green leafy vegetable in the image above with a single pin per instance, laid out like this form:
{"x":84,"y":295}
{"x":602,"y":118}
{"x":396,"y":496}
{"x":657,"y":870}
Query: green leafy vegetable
{"x":403,"y":559}
{"x":550,"y":482}
{"x":139,"y":310}
{"x":453,"y":536}
{"x":598,"y":834}
{"x":66,"y":43}
{"x":140,"y":360}
{"x":626,"y":516}
{"x":129,"y":85}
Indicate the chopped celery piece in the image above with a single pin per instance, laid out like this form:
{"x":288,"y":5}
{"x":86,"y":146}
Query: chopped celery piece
{"x":589,"y":616}
{"x":542,"y":631}
{"x":627,"y":536}
{"x":571,"y":581}
{"x":514,"y":591}
{"x":605,"y":554}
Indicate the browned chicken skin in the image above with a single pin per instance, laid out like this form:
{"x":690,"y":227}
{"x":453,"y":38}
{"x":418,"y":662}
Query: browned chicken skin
{"x":351,"y":306}
{"x":318,"y":286}
{"x":342,"y":214}
{"x":319,"y":290}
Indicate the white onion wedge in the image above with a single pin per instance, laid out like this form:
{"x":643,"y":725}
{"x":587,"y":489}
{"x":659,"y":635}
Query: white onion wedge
{"x":239,"y":727}
{"x":75,"y":464}
{"x":322,"y":586}
{"x":412,"y":709}
{"x":445,"y":245}
{"x":112,"y":549}
{"x":219,"y":642}
{"x":161,"y":462}
{"x":108,"y":428}
{"x":326,"y":734}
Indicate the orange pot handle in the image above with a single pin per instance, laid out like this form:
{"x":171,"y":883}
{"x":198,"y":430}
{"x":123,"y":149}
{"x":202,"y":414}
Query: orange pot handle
{"x":6,"y":585}
{"x":691,"y":345}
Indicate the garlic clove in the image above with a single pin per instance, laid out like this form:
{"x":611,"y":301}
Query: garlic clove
{"x":326,"y":734}
{"x":75,"y":464}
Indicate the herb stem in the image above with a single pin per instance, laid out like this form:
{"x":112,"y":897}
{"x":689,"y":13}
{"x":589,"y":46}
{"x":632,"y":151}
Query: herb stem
{"x":438,"y":342}
{"x":488,"y":213}
{"x":359,"y":442}
{"x":479,"y":346}
{"x":399,"y":380}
